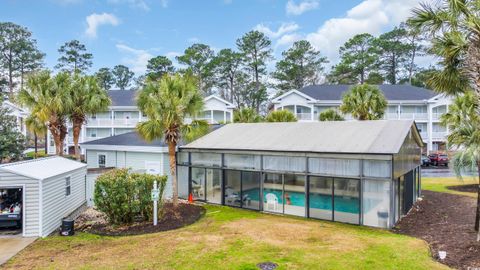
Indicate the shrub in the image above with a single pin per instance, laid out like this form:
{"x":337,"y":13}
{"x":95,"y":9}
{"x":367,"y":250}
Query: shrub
{"x":330,"y":115}
{"x":125,"y":197}
{"x":281,"y":116}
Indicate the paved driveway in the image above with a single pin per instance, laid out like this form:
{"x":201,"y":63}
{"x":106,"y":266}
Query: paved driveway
{"x":11,"y":245}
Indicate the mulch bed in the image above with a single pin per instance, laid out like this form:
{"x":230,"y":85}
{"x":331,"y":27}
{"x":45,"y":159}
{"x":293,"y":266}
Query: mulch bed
{"x":446,"y":223}
{"x":185,"y":214}
{"x":465,"y":188}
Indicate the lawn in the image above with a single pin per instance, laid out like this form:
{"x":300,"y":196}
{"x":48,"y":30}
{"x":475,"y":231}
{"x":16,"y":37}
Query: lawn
{"x":440,"y":184}
{"x":228,"y":238}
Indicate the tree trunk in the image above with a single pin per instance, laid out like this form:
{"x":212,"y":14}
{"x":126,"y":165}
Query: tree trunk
{"x":477,"y":217}
{"x":77,"y":128}
{"x":46,"y":141}
{"x":173,"y":168}
{"x":36,"y":144}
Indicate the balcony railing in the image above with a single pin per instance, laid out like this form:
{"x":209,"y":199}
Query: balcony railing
{"x":439,"y":135}
{"x":304,"y":116}
{"x":414,"y":116}
{"x":437,"y":116}
{"x":106,"y":122}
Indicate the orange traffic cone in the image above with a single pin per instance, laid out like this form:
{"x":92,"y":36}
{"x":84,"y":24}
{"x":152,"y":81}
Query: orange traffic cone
{"x":190,"y":198}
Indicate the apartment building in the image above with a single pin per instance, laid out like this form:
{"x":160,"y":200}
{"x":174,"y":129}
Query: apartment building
{"x":423,"y":106}
{"x":123,"y":115}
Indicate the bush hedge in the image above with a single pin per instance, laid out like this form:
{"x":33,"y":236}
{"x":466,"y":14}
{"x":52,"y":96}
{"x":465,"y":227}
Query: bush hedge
{"x":125,"y":197}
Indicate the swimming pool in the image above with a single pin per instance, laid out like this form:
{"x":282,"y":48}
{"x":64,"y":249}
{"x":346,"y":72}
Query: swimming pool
{"x":318,"y":201}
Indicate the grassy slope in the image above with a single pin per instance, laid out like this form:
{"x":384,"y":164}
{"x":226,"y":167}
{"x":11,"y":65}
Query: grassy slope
{"x":230,"y":238}
{"x":440,"y":184}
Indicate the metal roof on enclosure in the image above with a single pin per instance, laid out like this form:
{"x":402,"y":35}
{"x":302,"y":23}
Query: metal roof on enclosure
{"x":362,"y":137}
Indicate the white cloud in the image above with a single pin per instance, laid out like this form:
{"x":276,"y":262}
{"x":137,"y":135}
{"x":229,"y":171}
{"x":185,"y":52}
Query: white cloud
{"x":370,"y":16}
{"x":164,"y":3}
{"x":288,"y":39}
{"x":283,"y":29}
{"x":297,"y":9}
{"x":135,"y":59}
{"x":138,"y":4}
{"x":95,"y":20}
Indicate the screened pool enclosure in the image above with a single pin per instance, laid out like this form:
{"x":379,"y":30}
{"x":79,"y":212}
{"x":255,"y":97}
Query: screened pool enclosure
{"x":354,"y":172}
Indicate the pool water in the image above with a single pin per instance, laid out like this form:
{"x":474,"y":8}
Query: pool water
{"x":318,"y":201}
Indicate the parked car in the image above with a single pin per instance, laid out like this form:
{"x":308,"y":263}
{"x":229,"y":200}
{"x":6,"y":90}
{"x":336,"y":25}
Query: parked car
{"x":438,"y":159}
{"x":426,"y":161}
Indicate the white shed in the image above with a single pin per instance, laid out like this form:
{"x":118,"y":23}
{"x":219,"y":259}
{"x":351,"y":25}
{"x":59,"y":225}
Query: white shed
{"x":51,"y":188}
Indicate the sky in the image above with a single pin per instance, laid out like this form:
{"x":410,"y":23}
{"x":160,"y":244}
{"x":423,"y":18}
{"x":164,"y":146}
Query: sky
{"x":130,"y":32}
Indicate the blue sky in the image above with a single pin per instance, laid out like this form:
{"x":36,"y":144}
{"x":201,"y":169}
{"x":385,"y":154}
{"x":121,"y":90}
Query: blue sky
{"x":130,"y":32}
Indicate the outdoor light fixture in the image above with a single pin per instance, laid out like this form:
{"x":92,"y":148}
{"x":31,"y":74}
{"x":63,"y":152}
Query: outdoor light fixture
{"x":442,"y":255}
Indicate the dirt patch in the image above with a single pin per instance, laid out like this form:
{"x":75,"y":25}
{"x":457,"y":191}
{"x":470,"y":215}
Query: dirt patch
{"x":446,"y":222}
{"x":465,"y":188}
{"x":185,"y":214}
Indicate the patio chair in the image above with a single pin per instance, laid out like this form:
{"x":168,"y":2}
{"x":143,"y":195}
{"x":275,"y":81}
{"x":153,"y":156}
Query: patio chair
{"x":272,"y":200}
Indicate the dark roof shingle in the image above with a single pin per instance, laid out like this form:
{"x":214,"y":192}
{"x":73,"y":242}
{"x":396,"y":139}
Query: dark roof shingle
{"x":122,"y":97}
{"x":391,"y":92}
{"x":126,"y":139}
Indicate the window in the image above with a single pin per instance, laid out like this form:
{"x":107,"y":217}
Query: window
{"x":376,"y":203}
{"x":102,"y":160}
{"x":281,"y":163}
{"x":321,"y":197}
{"x":206,"y":159}
{"x":331,"y":166}
{"x":377,"y":168}
{"x":346,"y":202}
{"x":67,"y":186}
{"x":237,"y":161}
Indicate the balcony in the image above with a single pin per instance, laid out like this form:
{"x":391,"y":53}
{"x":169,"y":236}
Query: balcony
{"x":436,"y":116}
{"x":107,"y":122}
{"x":125,"y":122}
{"x":414,"y":116}
{"x":88,"y":138}
{"x":439,"y":135}
{"x":304,"y":116}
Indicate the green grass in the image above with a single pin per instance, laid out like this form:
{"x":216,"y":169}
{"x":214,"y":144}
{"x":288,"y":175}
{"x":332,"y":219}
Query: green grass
{"x":440,"y":184}
{"x":41,"y":153}
{"x":229,"y":238}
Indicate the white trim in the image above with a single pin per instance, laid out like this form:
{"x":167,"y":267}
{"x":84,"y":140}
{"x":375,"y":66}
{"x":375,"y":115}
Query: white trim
{"x":219,"y":99}
{"x":147,"y":149}
{"x":309,"y":98}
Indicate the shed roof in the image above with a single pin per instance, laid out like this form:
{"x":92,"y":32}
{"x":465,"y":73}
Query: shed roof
{"x":42,"y":168}
{"x":362,"y":137}
{"x":391,"y":92}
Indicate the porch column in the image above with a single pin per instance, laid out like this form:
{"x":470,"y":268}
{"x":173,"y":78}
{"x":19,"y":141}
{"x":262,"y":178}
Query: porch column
{"x":224,"y":117}
{"x":211,"y":116}
{"x":313,"y":113}
{"x":429,"y":129}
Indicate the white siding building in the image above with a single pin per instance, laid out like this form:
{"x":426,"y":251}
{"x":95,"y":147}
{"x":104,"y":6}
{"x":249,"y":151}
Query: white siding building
{"x":404,"y":102}
{"x":19,"y":114}
{"x":123,"y":115}
{"x":52,"y":188}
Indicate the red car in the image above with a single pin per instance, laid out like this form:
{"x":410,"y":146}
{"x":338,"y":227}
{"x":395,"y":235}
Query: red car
{"x":438,"y":159}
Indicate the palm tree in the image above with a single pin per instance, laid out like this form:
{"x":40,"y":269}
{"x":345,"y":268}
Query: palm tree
{"x":281,"y":116}
{"x":246,"y":115}
{"x":86,"y":97}
{"x":330,"y":115}
{"x":464,"y":124}
{"x":364,"y":102}
{"x":38,"y":128}
{"x":454,"y":26}
{"x":47,"y":99}
{"x":167,"y":104}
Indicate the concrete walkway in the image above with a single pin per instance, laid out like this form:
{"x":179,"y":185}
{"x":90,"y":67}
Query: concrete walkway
{"x":11,"y":245}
